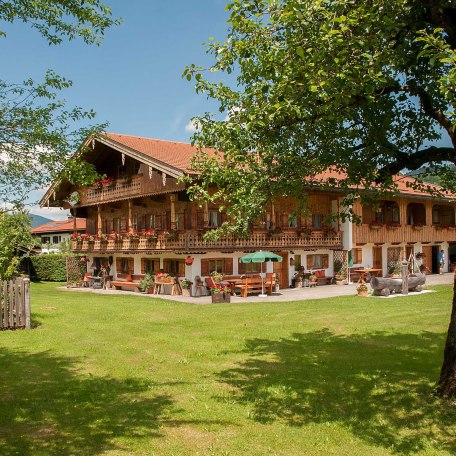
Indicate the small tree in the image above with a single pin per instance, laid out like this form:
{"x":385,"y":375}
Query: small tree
{"x":15,"y":242}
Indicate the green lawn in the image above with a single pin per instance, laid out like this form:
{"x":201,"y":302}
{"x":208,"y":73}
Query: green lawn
{"x":121,"y":375}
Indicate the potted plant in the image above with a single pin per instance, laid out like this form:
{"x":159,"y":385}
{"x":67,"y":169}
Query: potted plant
{"x":362,"y":289}
{"x":146,"y":284}
{"x":306,"y":231}
{"x":276,"y":232}
{"x":298,"y":280}
{"x":340,"y":279}
{"x":313,"y":278}
{"x":186,"y":286}
{"x":417,"y":226}
{"x":220,"y":293}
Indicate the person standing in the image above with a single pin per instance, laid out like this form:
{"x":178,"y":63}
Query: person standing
{"x":441,"y":261}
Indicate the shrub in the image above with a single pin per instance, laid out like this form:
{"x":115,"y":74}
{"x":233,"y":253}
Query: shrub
{"x":50,"y":267}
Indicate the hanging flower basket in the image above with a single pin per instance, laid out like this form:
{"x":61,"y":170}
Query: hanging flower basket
{"x":189,"y":260}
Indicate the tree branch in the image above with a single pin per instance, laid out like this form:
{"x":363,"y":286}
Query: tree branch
{"x":418,"y":159}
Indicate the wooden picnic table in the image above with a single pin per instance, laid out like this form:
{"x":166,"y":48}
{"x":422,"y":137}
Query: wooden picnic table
{"x":363,"y":272}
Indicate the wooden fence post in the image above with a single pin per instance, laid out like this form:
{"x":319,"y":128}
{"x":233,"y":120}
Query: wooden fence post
{"x":27,"y":303}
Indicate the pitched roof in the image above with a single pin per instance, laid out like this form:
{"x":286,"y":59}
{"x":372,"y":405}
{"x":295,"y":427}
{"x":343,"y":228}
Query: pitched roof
{"x":405,"y":185}
{"x":59,"y":226}
{"x":175,"y":154}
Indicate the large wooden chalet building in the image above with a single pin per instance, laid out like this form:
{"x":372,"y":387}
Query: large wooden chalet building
{"x":141,"y":219}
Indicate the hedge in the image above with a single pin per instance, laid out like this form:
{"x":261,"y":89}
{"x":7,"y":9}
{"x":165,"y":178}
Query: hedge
{"x":50,"y":267}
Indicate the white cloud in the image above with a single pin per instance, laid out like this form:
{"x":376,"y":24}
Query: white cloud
{"x":191,"y":127}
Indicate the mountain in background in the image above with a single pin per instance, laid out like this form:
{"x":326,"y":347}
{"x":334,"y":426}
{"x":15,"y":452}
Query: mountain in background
{"x":37,"y":220}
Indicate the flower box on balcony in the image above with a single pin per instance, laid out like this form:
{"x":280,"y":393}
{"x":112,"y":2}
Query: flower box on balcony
{"x":375,"y":226}
{"x":275,"y":233}
{"x":417,"y":227}
{"x":392,"y":227}
{"x":306,"y":232}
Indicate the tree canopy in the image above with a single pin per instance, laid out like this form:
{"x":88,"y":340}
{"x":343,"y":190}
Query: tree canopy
{"x":362,"y":87}
{"x":38,"y":132}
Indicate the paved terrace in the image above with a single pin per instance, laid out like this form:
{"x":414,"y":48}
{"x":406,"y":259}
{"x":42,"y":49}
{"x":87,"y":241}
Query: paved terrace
{"x":289,"y":294}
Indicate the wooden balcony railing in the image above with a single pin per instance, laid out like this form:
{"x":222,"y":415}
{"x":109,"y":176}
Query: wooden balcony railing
{"x":363,"y":234}
{"x":193,"y":241}
{"x":118,"y":189}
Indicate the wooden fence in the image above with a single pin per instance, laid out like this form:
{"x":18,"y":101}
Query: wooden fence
{"x":15,"y":304}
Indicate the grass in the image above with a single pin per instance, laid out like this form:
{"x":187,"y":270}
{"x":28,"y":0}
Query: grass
{"x":127,"y":375}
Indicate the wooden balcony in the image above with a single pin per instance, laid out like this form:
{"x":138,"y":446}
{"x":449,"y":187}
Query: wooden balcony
{"x":116,"y":190}
{"x":363,"y":234}
{"x":193,"y":242}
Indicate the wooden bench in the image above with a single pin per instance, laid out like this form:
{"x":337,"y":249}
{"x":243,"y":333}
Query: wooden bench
{"x":254,"y":285}
{"x":124,"y":281}
{"x":322,"y":279}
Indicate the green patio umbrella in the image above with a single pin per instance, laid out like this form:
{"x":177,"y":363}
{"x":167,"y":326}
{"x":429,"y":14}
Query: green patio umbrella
{"x":260,"y":257}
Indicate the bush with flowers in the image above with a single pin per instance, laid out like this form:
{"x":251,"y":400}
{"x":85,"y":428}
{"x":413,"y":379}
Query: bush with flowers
{"x":76,"y":237}
{"x":186,"y":283}
{"x":362,"y":287}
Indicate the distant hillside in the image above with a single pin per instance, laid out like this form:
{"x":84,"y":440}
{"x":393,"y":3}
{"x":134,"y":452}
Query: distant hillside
{"x":38,"y":220}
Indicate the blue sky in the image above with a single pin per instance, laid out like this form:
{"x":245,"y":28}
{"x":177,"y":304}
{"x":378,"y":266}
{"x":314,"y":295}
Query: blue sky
{"x":133,"y":80}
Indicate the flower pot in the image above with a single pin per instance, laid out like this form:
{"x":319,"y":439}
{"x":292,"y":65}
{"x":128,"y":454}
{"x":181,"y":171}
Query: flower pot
{"x":187,"y":292}
{"x":218,"y":297}
{"x":375,"y":227}
{"x":417,"y":228}
{"x":340,"y":282}
{"x":298,"y":283}
{"x":363,"y":293}
{"x":150,"y":290}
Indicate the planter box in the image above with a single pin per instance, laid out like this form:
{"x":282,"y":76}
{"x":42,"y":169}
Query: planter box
{"x":187,"y":292}
{"x":221,"y":297}
{"x":363,"y":293}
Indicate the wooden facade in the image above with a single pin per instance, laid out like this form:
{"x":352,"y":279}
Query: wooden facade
{"x":141,"y":216}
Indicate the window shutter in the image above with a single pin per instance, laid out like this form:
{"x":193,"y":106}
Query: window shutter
{"x":205,"y":268}
{"x":228,"y":266}
{"x":310,"y":261}
{"x":325,"y":261}
{"x":165,"y":265}
{"x":168,"y":220}
{"x":131,"y":266}
{"x":181,"y":268}
{"x":241,"y":268}
{"x":143,"y":266}
{"x":118,"y":265}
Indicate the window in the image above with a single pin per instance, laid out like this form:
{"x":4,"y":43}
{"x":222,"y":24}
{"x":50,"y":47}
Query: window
{"x":213,"y":219}
{"x":116,"y":225}
{"x":292,"y":221}
{"x":221,"y":265}
{"x":357,"y":256}
{"x":56,"y":239}
{"x":155,"y":221}
{"x":175,"y":267}
{"x":134,"y":222}
{"x":150,"y":265}
{"x":45,"y":239}
{"x":125,"y":265}
{"x":317,"y":261}
{"x":317,"y":220}
{"x":180,"y":221}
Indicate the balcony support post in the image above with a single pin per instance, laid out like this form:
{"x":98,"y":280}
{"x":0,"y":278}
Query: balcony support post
{"x":73,"y":211}
{"x":129,"y":215}
{"x":273,"y":215}
{"x":206,"y":215}
{"x":172,"y":200}
{"x":99,"y":220}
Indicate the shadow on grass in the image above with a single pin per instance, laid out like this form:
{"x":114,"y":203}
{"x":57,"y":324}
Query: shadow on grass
{"x":47,"y":407}
{"x":377,"y":385}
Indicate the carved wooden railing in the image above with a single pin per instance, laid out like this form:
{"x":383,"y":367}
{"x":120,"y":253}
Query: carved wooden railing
{"x":120,"y":188}
{"x":363,"y":234}
{"x":193,"y":241}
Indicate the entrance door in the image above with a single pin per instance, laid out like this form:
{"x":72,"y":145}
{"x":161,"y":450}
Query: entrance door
{"x":282,"y":270}
{"x":435,"y":259}
{"x":377,"y":258}
{"x":427,"y":259}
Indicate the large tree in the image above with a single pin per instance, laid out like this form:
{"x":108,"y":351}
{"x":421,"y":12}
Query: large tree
{"x":38,"y":132}
{"x":361,"y":87}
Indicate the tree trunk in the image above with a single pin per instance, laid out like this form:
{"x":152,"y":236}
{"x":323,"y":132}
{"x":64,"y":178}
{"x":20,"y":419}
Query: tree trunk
{"x":447,"y":382}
